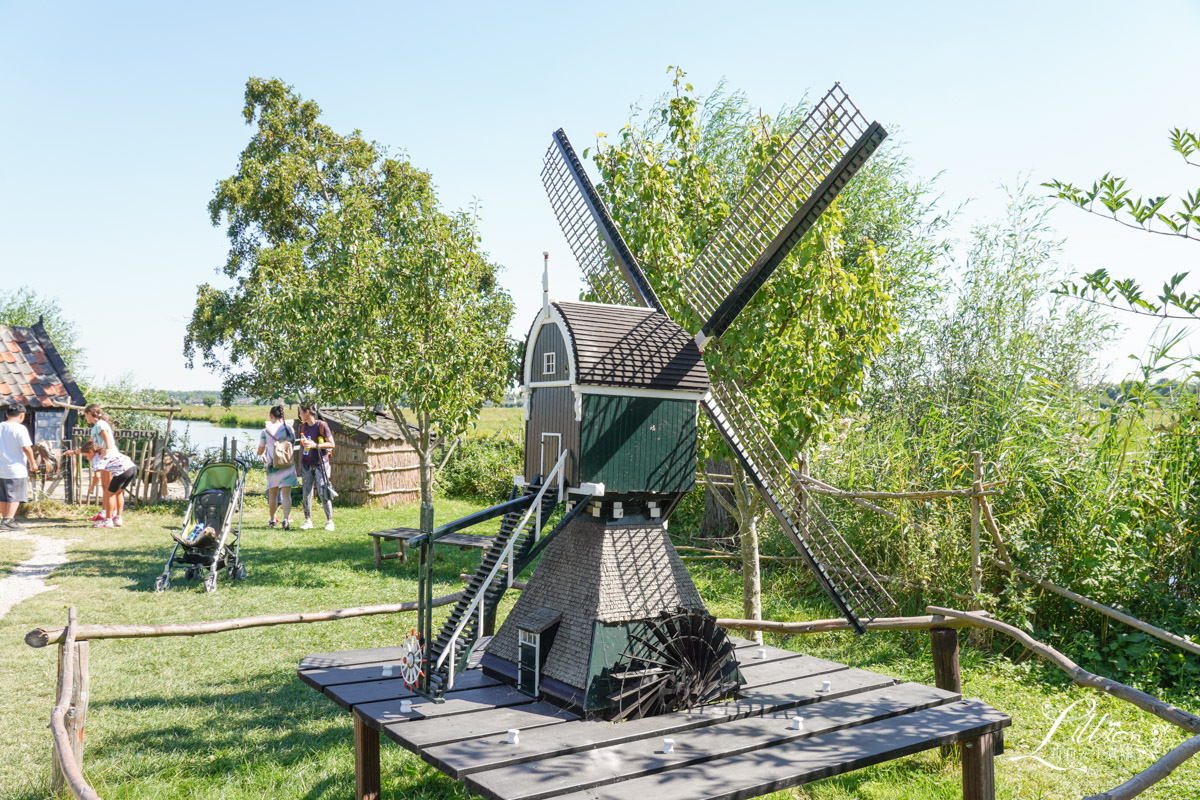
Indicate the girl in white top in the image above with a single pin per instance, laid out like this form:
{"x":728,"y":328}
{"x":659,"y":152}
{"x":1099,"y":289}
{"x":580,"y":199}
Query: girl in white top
{"x":106,"y":446}
{"x":123,"y":472}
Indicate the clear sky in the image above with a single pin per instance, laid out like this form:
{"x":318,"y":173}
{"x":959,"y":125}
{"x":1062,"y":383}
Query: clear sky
{"x":117,"y":120}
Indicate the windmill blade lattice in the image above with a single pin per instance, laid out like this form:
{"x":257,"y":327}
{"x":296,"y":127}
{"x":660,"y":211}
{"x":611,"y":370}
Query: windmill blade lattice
{"x":783,"y":204}
{"x":610,"y":268}
{"x":856,"y":593}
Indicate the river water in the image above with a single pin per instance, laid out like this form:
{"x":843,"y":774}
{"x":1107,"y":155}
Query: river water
{"x":205,"y":436}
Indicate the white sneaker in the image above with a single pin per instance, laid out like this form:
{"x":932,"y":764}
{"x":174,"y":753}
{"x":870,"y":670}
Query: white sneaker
{"x":306,"y":525}
{"x":329,"y":525}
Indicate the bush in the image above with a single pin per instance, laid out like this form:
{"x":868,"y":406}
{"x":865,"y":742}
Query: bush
{"x":483,"y":468}
{"x":229,"y":420}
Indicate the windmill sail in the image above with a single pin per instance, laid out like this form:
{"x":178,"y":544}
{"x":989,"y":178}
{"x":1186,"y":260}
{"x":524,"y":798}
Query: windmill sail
{"x":855,"y":592}
{"x":606,"y":261}
{"x":783,"y":204}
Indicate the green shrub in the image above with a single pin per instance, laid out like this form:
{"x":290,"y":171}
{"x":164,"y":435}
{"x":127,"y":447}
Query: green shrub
{"x":229,"y":420}
{"x":483,"y":468}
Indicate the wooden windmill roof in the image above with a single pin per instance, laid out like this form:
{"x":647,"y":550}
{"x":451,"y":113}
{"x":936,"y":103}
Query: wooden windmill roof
{"x":631,"y":347}
{"x":31,"y":371}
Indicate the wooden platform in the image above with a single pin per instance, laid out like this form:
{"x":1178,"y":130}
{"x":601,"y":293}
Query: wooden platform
{"x":401,"y":536}
{"x":739,"y":749}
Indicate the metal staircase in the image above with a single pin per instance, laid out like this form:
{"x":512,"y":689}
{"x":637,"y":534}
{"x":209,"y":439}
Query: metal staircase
{"x":520,"y":532}
{"x":815,"y":538}
{"x":463,"y":636}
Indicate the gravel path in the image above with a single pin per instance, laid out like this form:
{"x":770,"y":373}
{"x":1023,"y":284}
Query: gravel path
{"x":29,"y":578}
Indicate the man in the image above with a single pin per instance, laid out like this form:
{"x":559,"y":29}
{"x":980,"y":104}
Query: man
{"x":16,"y":459}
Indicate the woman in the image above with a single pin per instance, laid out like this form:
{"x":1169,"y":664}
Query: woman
{"x":106,"y":449}
{"x":317,"y":441}
{"x":280,"y":480}
{"x":123,"y":472}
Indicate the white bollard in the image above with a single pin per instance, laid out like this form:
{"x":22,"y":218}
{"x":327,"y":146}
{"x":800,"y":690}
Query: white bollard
{"x":668,"y":745}
{"x":387,"y":670}
{"x":825,"y":686}
{"x":762,"y":653}
{"x":406,"y":706}
{"x":514,"y":736}
{"x":797,"y":724}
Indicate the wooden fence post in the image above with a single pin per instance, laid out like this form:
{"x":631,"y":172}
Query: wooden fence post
{"x":979,"y":768}
{"x":76,"y":717}
{"x":946,"y":673}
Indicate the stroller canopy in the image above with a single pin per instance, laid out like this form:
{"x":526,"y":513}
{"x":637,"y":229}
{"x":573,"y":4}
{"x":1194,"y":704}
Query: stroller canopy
{"x":223,"y":477}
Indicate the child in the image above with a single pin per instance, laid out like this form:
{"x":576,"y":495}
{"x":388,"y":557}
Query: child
{"x":123,"y":472}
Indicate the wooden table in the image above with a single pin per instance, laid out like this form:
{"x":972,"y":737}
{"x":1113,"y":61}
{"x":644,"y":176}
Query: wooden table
{"x":463,"y":541}
{"x":739,"y":749}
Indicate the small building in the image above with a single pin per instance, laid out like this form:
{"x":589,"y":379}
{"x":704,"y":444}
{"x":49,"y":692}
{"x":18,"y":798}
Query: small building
{"x":619,"y":388}
{"x":33,"y":374}
{"x":372,"y":463}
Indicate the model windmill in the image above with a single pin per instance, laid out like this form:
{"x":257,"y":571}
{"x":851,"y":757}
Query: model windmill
{"x":610,"y":623}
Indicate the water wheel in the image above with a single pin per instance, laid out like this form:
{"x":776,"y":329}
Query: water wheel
{"x":683,"y":661}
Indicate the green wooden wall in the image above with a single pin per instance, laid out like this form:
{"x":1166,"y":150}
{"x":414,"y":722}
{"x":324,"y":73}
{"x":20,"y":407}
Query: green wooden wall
{"x":638,"y":444}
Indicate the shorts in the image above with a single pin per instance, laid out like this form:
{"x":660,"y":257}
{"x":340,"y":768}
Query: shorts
{"x":119,"y":482}
{"x":14,"y":490}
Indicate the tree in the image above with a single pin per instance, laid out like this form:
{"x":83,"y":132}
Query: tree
{"x":350,"y":283}
{"x":801,"y":349}
{"x":1145,"y":214}
{"x":24,"y":307}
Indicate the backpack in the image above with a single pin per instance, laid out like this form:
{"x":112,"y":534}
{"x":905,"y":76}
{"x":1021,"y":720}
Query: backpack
{"x":282,"y":453}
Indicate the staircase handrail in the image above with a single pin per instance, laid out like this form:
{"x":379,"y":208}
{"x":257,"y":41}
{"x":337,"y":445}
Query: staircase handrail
{"x":471,"y":519}
{"x":481,"y":591}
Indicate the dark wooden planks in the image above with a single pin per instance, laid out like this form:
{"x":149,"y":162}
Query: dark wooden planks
{"x":553,"y":776}
{"x":420,"y":735}
{"x":350,"y":658}
{"x":762,"y":673}
{"x":473,"y":755}
{"x":793,"y":763}
{"x":350,"y":695}
{"x":387,"y":712}
{"x":748,"y":654}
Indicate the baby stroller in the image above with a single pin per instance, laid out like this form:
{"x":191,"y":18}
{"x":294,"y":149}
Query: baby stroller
{"x":210,"y":540}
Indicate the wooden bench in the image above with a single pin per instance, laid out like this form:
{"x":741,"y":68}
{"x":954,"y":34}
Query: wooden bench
{"x":464,"y":541}
{"x":739,"y":749}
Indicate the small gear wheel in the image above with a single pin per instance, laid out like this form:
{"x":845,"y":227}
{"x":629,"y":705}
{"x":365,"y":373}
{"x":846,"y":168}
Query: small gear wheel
{"x":412,"y":655}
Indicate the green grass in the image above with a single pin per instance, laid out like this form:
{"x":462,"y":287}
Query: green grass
{"x":12,"y":553}
{"x":491,"y":420}
{"x":223,"y":716}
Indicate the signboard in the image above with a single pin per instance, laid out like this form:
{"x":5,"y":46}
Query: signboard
{"x":82,"y":434}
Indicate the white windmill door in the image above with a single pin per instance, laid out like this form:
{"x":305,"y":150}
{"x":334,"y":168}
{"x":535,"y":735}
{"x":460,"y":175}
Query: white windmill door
{"x":551,"y":449}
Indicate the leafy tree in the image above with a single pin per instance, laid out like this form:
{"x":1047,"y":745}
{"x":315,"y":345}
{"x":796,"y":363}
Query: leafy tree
{"x":23,"y":307}
{"x":802,"y":347}
{"x":1109,"y":197}
{"x":350,"y":283}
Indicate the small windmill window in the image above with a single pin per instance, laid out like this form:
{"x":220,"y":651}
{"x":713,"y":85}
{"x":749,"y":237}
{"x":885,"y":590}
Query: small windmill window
{"x":549,"y":365}
{"x":528,"y":661}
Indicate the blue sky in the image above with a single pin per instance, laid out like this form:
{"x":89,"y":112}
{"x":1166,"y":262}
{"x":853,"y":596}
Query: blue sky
{"x":117,"y":120}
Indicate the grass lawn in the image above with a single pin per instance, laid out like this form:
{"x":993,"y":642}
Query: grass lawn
{"x":491,"y":420}
{"x":223,"y":716}
{"x":13,"y":552}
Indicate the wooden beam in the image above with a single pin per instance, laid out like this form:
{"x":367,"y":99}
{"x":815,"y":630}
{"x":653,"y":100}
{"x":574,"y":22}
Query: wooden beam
{"x":1153,"y":774}
{"x":66,"y":767}
{"x":826,"y":625}
{"x":979,"y":768}
{"x":946,"y":674}
{"x":367,"y":785}
{"x":40,"y":637}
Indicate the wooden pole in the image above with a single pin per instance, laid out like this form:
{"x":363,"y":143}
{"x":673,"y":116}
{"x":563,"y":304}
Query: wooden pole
{"x":66,"y":721}
{"x":839,"y":624}
{"x":946,"y":673}
{"x":977,"y":489}
{"x":40,"y":637}
{"x":366,"y":760}
{"x":979,"y":768}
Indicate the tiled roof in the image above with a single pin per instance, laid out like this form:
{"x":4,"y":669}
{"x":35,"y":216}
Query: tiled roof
{"x":632,"y":347}
{"x":31,"y":372}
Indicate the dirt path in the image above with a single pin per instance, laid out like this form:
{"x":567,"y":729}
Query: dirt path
{"x":29,"y":577}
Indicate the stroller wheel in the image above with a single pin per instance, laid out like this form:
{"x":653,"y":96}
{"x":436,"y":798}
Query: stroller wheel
{"x":162,"y":583}
{"x":237,"y":571}
{"x":210,"y":582}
